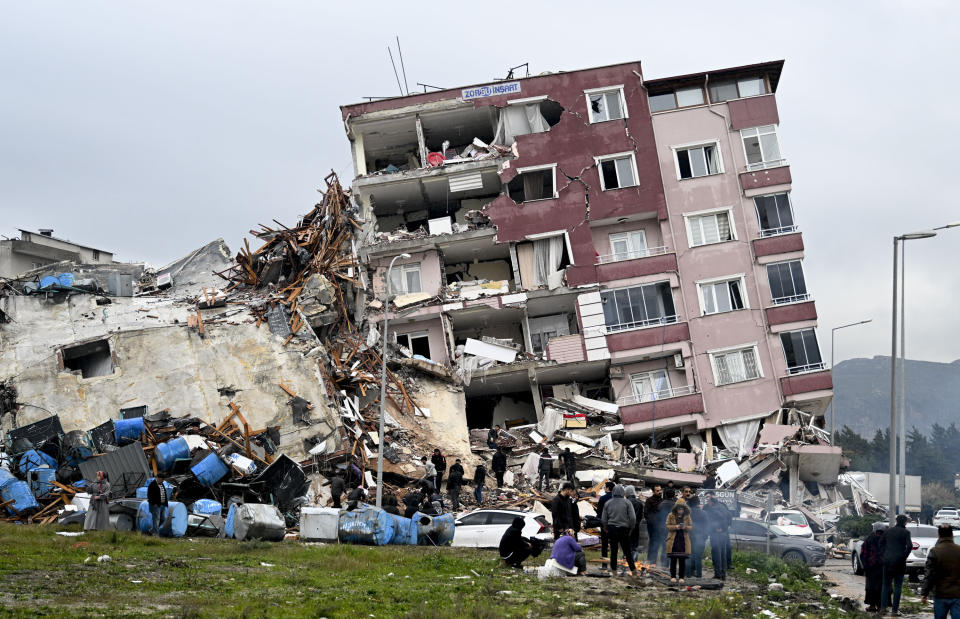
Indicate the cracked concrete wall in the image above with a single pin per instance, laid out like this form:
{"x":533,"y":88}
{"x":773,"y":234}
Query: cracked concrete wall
{"x":160,"y":363}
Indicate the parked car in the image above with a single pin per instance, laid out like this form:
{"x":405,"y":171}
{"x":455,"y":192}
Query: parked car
{"x":753,"y":535}
{"x":483,"y":528}
{"x":791,"y":521}
{"x":923,"y":537}
{"x":947,"y":515}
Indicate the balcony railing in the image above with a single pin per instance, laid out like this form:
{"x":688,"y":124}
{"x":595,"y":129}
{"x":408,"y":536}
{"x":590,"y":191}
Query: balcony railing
{"x":800,"y":369}
{"x":797,"y":298}
{"x":663,"y":320}
{"x":764,"y":165}
{"x":631,"y":255}
{"x":662,"y":394}
{"x":778,"y":231}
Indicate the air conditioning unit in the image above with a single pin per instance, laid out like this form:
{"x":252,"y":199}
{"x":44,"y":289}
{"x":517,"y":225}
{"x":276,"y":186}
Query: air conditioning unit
{"x":678,"y":360}
{"x":616,"y":371}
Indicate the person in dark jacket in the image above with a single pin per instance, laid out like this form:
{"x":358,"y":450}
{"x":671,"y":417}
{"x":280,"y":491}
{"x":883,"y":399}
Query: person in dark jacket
{"x":479,"y":477}
{"x":454,"y":484}
{"x":943,"y":575}
{"x":569,"y":463}
{"x":514,"y":547}
{"x":651,"y":508}
{"x":544,"y":469}
{"x":719,"y":519}
{"x":158,"y":501}
{"x":562,"y":509}
{"x":666,"y":506}
{"x":337,"y":485}
{"x":411,"y":503}
{"x":698,"y":537}
{"x":493,"y":436}
{"x":604,"y":541}
{"x":357,"y":495}
{"x":618,"y":520}
{"x":872,"y":561}
{"x":440,"y":462}
{"x":499,"y":466}
{"x":630,"y":493}
{"x":895,"y":547}
{"x":389,"y":503}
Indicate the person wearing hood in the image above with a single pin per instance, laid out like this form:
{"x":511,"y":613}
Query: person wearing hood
{"x":618,"y":521}
{"x":514,"y":547}
{"x":895,"y":546}
{"x":872,"y":560}
{"x":651,"y":509}
{"x":630,"y":493}
{"x":98,"y":513}
{"x":679,"y":526}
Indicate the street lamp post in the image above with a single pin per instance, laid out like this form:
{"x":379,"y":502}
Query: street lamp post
{"x":383,"y":380}
{"x":833,"y":333}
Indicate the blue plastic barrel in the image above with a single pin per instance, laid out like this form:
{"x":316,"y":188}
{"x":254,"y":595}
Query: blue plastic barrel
{"x":367,"y":525}
{"x":41,"y":482}
{"x":206,"y":506}
{"x":168,"y":453}
{"x":6,"y":477}
{"x":128,"y":430}
{"x":34,"y":459}
{"x":65,"y":279}
{"x":434,"y":530}
{"x":49,"y":281}
{"x":405,"y":530}
{"x":231,"y":519}
{"x":19,"y":493}
{"x":210,"y":470}
{"x":142,"y":490}
{"x":178,"y":519}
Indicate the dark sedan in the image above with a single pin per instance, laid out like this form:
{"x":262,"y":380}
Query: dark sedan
{"x":753,"y":535}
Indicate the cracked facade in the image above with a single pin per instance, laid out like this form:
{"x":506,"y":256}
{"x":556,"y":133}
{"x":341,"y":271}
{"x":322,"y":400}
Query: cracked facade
{"x":633,"y":240}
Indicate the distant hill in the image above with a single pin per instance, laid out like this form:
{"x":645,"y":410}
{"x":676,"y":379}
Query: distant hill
{"x":862,"y":394}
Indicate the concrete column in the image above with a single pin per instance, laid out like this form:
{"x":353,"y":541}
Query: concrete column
{"x":535,"y":390}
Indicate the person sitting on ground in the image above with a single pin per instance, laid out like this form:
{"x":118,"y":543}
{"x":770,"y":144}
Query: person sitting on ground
{"x":679,"y":526}
{"x":568,"y":553}
{"x":514,"y":547}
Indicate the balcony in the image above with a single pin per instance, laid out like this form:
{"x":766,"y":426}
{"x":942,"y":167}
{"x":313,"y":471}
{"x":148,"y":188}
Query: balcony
{"x":804,"y":369}
{"x":777,"y":231}
{"x":759,"y":179}
{"x":624,"y":265}
{"x":662,"y":394}
{"x":631,"y":255}
{"x":809,"y":388}
{"x":782,"y":244}
{"x":637,"y":335}
{"x":686,"y":401}
{"x":795,"y":311}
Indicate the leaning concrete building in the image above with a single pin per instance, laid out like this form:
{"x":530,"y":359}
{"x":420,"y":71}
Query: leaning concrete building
{"x":598,"y":234}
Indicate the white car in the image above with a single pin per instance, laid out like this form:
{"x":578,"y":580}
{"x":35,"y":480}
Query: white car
{"x":483,"y":528}
{"x":792,"y":522}
{"x":923,"y":537}
{"x":947,"y":515}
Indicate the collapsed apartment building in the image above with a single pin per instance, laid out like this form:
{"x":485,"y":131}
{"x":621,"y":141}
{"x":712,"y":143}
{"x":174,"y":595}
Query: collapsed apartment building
{"x":586,"y":258}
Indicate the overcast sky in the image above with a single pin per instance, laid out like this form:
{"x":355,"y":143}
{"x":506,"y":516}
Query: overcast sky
{"x":149,"y":129}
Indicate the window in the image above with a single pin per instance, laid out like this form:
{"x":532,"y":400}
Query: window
{"x":541,"y":339}
{"x":417,"y":343}
{"x":725,"y":90}
{"x":605,"y":104}
{"x":786,"y":282}
{"x":719,"y":297}
{"x":753,"y":529}
{"x":502,"y":517}
{"x":545,"y":328}
{"x":88,"y":360}
{"x":684,"y":97}
{"x":775,"y":214}
{"x":96,"y":254}
{"x":762,"y":148}
{"x":735,"y":366}
{"x":405,"y":278}
{"x":628,"y":245}
{"x":617,"y":171}
{"x":801,"y":350}
{"x":639,"y":306}
{"x":650,"y":386}
{"x":698,"y":161}
{"x":533,"y":184}
{"x":709,"y":228}
{"x":474,"y":519}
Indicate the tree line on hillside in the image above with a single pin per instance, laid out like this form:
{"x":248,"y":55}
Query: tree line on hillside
{"x":936,"y":457}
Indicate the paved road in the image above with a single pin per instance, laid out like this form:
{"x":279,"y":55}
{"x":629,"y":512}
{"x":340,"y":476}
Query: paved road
{"x":842,"y":581}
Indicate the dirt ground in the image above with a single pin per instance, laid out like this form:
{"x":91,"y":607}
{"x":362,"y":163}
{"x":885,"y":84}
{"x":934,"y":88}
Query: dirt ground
{"x":840,"y":580}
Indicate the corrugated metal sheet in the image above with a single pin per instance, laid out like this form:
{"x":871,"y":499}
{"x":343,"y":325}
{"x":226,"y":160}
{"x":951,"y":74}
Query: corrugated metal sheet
{"x":466,"y":182}
{"x":127,"y":468}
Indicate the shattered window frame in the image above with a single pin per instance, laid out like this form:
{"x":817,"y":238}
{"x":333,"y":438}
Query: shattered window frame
{"x":602,"y":94}
{"x":532,"y":169}
{"x":710,"y":162}
{"x":724,"y":362}
{"x":699,"y":235}
{"x":710,"y":302}
{"x":617,"y":169}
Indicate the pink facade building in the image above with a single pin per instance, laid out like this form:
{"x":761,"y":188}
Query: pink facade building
{"x":633,"y":240}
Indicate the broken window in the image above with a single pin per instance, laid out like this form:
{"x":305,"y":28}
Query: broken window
{"x":617,"y":171}
{"x":628,"y":245}
{"x":775,"y":214}
{"x":710,"y":228}
{"x":735,"y":366}
{"x":801,"y":351}
{"x":762,"y":147}
{"x":523,"y":117}
{"x":533,"y":184}
{"x":719,"y":297}
{"x":682,"y":97}
{"x":405,"y":278}
{"x":638,"y":306}
{"x":725,"y":90}
{"x":605,"y":104}
{"x":544,"y":328}
{"x":418,"y":343}
{"x":787,"y":284}
{"x":649,"y":386}
{"x":548,"y":261}
{"x":698,"y":161}
{"x":90,"y":359}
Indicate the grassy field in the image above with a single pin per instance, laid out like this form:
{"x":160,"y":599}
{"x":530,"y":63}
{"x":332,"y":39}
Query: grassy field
{"x":44,"y":573}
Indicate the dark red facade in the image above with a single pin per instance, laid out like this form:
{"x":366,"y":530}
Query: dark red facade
{"x":662,"y":409}
{"x":651,"y":336}
{"x":805,"y":383}
{"x":795,"y":312}
{"x":753,"y":112}
{"x":765,"y":178}
{"x":783,"y":244}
